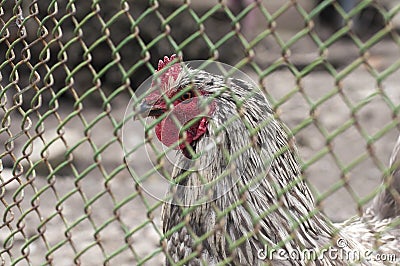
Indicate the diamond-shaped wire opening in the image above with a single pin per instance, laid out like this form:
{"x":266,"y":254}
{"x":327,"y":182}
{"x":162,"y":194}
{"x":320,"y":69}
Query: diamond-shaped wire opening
{"x":96,"y":54}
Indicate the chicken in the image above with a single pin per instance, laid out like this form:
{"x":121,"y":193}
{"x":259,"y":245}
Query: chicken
{"x":237,"y":194}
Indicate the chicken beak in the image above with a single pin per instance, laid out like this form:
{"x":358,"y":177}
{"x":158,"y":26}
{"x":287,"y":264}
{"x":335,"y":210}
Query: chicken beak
{"x":145,"y":110}
{"x":142,"y":110}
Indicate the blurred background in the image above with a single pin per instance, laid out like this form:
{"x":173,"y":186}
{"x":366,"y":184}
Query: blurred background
{"x":68,"y":70}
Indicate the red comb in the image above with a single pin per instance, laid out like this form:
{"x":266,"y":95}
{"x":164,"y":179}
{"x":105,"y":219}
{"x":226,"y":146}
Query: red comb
{"x":172,"y":71}
{"x":162,"y":64}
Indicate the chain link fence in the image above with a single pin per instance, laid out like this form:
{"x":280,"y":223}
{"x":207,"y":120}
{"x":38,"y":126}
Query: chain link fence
{"x":68,"y":69}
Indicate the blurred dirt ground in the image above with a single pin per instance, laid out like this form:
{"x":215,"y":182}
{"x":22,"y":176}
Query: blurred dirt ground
{"x":94,"y":209}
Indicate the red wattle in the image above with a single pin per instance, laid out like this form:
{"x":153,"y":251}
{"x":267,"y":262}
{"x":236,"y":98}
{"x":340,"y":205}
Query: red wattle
{"x":168,"y":130}
{"x":168,"y":133}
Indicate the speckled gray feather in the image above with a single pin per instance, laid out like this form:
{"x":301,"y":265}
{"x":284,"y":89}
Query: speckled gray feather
{"x":258,"y":197}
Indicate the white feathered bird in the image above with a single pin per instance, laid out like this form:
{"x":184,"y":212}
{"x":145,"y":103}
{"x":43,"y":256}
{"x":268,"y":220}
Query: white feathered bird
{"x":247,"y":195}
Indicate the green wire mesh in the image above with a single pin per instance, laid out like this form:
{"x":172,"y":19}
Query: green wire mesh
{"x":69,"y":68}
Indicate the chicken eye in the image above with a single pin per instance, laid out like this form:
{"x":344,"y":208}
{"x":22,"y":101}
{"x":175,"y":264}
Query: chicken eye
{"x":186,"y":96}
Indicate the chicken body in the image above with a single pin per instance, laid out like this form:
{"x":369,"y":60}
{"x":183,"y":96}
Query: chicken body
{"x":246,"y":202}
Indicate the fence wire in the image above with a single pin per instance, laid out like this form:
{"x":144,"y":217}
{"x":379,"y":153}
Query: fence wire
{"x":68,"y":69}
